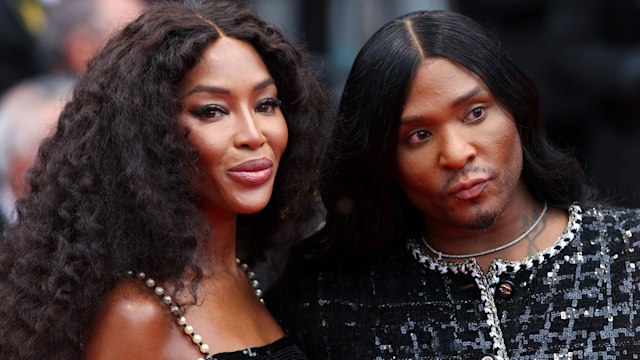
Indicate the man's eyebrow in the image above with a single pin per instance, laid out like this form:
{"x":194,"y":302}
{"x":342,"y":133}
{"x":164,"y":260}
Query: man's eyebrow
{"x":460,"y":100}
{"x":468,"y":95}
{"x":410,"y":119}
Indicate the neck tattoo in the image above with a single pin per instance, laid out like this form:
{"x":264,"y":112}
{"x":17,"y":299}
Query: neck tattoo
{"x":175,"y":310}
{"x":490,"y":251}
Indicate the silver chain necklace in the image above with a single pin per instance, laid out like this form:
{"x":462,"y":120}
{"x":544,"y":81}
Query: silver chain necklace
{"x":490,"y":251}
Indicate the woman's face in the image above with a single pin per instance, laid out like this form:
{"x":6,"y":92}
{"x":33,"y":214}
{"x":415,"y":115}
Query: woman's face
{"x":230,"y":104}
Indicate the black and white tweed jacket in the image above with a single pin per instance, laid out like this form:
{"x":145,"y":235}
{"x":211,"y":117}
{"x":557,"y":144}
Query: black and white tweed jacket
{"x":579,"y":299}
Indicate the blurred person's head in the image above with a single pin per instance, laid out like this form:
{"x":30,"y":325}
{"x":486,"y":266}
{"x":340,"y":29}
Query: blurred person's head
{"x":28,"y":114}
{"x":18,"y":60}
{"x":76,"y":29}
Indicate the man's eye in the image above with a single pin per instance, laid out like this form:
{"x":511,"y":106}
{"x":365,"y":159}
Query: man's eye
{"x":476,"y":114}
{"x":419,"y":136}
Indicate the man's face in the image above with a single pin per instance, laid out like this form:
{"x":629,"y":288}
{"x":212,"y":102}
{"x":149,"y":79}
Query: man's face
{"x":459,"y":154}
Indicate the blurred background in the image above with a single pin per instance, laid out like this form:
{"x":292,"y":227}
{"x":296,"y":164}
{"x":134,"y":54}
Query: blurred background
{"x":584,"y":56}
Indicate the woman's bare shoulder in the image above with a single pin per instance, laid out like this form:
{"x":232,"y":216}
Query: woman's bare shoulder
{"x":133,"y":323}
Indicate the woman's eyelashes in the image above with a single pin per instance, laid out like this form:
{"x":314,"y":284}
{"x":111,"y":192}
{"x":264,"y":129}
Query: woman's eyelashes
{"x":210,"y":111}
{"x":215,"y":112}
{"x":268,"y":106}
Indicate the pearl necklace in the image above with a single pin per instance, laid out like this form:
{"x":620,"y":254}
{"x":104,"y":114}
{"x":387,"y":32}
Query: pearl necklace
{"x":175,"y":310}
{"x":490,"y":251}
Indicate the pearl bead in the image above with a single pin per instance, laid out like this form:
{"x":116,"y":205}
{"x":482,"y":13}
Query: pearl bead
{"x":175,"y":310}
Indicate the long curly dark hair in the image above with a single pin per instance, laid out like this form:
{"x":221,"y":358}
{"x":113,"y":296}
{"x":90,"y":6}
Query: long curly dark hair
{"x":112,"y":189}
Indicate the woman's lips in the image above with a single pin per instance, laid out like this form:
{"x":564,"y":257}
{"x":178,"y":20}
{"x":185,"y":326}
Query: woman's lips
{"x":252,"y":172}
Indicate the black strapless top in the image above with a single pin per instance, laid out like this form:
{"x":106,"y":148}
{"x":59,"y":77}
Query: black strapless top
{"x":282,"y":349}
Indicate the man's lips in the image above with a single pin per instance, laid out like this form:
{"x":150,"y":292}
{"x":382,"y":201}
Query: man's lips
{"x":252,"y":172}
{"x":468,"y":189}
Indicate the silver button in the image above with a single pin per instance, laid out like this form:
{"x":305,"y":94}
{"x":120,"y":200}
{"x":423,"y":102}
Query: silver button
{"x":506,"y":289}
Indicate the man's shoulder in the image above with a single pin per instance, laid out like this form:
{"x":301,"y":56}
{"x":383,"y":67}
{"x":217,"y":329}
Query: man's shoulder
{"x":612,"y":216}
{"x":617,"y":227}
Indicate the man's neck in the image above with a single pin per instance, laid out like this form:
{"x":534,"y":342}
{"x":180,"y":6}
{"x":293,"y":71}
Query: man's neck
{"x":508,"y":228}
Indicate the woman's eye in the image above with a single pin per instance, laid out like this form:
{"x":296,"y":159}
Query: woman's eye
{"x":210,"y":112}
{"x":268,"y":106}
{"x":419,"y":136}
{"x":476,"y":114}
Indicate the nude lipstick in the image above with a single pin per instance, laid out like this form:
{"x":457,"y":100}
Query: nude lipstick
{"x":252,"y":172}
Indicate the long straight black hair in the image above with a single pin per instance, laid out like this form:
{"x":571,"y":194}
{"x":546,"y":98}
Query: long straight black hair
{"x":367,"y":212}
